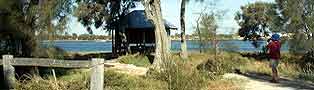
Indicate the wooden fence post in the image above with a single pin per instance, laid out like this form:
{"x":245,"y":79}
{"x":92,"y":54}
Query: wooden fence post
{"x":8,"y":71}
{"x":97,"y":74}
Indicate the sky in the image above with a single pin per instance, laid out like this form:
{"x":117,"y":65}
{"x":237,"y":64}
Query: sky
{"x":171,"y":12}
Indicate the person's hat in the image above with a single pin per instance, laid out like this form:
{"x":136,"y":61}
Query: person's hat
{"x":275,"y":37}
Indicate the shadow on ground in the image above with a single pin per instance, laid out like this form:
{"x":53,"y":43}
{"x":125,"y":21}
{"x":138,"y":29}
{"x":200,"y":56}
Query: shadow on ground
{"x":283,"y":82}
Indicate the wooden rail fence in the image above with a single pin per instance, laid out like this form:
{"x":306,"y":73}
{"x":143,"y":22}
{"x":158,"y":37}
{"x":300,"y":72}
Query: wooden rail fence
{"x":96,"y":64}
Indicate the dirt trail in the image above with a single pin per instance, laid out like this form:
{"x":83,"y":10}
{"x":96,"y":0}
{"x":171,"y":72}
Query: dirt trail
{"x":261,"y":82}
{"x":126,"y":68}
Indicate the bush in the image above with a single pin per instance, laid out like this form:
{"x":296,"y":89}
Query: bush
{"x":308,"y":60}
{"x":78,"y":82}
{"x":137,"y":60}
{"x":225,"y":63}
{"x":180,"y":76}
{"x":307,"y":74}
{"x":119,"y":81}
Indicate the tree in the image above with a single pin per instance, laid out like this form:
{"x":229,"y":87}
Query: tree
{"x":105,"y":14}
{"x":184,"y":53}
{"x":25,"y":18}
{"x":257,"y":20}
{"x":206,"y":29}
{"x":298,"y":16}
{"x":153,"y":13}
{"x":74,"y":36}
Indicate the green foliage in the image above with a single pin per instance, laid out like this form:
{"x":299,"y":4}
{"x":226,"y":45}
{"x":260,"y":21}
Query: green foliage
{"x":28,"y":21}
{"x":117,"y":81}
{"x":179,"y":75}
{"x":225,"y":63}
{"x":208,"y":26}
{"x":255,"y":18}
{"x":299,"y":15}
{"x":51,"y":52}
{"x":137,"y":60}
{"x":76,"y":82}
{"x":308,"y":60}
{"x":206,"y":30}
{"x":176,"y":75}
{"x":104,"y":14}
{"x":307,"y":72}
{"x":299,"y":43}
{"x":191,"y":74}
{"x":290,"y":66}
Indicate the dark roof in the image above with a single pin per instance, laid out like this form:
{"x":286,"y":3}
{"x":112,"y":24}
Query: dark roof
{"x":137,"y":19}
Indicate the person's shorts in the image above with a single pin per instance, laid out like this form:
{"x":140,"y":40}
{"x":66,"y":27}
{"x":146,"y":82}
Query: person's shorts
{"x":274,"y":63}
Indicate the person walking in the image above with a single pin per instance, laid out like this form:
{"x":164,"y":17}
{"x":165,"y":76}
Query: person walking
{"x":274,"y":55}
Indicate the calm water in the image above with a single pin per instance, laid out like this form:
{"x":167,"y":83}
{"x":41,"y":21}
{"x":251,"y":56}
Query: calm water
{"x":105,"y":46}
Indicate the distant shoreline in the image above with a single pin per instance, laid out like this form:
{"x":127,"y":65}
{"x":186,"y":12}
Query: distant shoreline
{"x":88,"y":52}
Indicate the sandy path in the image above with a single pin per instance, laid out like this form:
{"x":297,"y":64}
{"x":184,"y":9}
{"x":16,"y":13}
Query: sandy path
{"x":261,"y":82}
{"x":127,"y":69}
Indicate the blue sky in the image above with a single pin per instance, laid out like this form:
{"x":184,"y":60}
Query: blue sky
{"x":171,"y":12}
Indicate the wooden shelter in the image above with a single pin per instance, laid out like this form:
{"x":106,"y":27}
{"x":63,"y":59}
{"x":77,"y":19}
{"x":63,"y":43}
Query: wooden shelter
{"x":136,"y":34}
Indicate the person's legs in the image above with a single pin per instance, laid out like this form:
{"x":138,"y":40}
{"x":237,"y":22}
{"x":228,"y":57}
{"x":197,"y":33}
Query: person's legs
{"x":274,"y":64}
{"x":275,"y":74}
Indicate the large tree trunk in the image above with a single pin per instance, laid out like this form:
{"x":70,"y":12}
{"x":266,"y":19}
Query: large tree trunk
{"x":184,"y":54}
{"x":153,"y":12}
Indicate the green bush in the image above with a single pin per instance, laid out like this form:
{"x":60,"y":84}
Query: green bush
{"x":225,"y":63}
{"x":307,"y":61}
{"x":137,"y":60}
{"x":119,"y":81}
{"x":77,"y":82}
{"x":180,"y":76}
{"x":307,"y":73}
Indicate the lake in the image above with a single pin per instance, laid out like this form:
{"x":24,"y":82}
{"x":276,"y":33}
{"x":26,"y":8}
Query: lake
{"x":192,"y":45}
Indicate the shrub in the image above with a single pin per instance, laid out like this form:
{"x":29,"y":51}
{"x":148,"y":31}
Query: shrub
{"x":307,"y":73}
{"x":308,"y":60}
{"x":119,"y":81}
{"x":225,"y":63}
{"x":137,"y":60}
{"x":79,"y":82}
{"x":180,"y":76}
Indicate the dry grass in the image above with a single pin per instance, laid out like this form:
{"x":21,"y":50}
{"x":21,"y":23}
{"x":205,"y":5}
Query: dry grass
{"x":77,"y":82}
{"x":177,"y":74}
{"x":289,"y":67}
{"x":223,"y":85}
{"x":137,"y":60}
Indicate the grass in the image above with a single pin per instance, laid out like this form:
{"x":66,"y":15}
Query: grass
{"x":289,"y":67}
{"x":119,"y":81}
{"x":77,"y":81}
{"x":199,"y":72}
{"x":137,"y":60}
{"x":224,"y":85}
{"x":177,"y":75}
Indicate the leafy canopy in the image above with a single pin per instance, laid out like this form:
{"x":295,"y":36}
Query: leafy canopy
{"x":257,"y":20}
{"x":102,"y":13}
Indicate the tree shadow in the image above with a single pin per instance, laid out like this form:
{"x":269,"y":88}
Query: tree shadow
{"x":257,"y":55}
{"x":283,"y":82}
{"x":150,"y":58}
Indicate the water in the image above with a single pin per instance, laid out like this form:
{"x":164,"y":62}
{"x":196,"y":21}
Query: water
{"x":105,"y":46}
